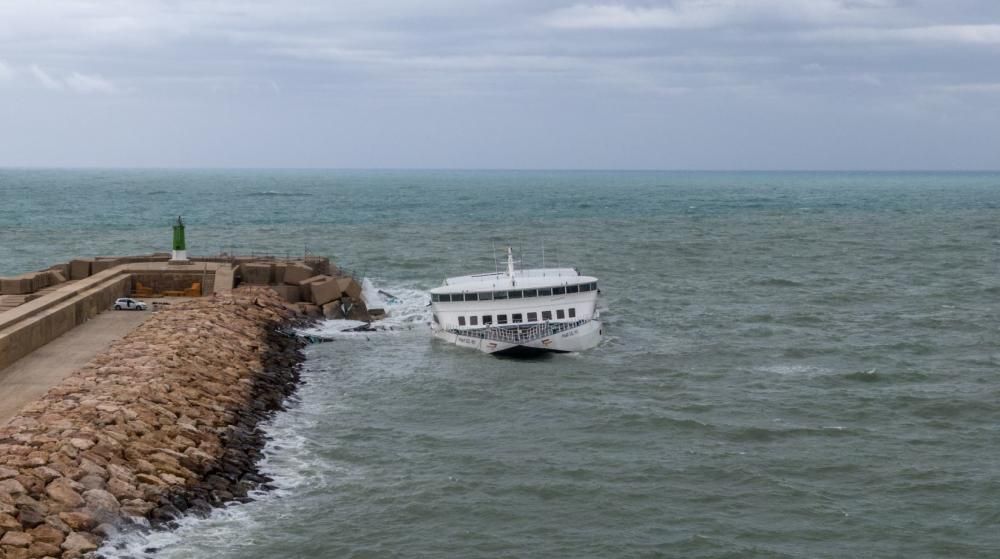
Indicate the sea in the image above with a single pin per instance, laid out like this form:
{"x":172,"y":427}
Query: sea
{"x":795,"y":364}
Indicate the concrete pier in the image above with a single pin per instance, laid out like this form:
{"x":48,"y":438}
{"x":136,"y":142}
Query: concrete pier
{"x":163,"y":421}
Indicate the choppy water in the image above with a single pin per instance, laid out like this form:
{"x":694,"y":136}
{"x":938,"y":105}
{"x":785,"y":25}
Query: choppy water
{"x":798,"y":365}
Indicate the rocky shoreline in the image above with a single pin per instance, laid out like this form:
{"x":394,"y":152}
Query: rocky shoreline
{"x":164,"y":422}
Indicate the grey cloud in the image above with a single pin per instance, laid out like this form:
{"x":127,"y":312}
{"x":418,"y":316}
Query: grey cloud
{"x":632,"y":84}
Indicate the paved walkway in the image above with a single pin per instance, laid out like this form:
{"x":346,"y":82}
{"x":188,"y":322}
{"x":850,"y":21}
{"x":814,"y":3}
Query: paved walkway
{"x":30,"y":377}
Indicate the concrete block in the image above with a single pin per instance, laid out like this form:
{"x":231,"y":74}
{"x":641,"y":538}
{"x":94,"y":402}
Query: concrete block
{"x":80,"y":268}
{"x":63,"y":269}
{"x":56,"y":277}
{"x":333,"y":310}
{"x":39,"y":280}
{"x":350,"y":286}
{"x":17,"y":285}
{"x":322,"y":292}
{"x":100,"y":264}
{"x":296,"y":273}
{"x":291,"y":293}
{"x":306,"y":286}
{"x":256,"y":273}
{"x":356,"y":310}
{"x":278,"y":273}
{"x":310,"y":310}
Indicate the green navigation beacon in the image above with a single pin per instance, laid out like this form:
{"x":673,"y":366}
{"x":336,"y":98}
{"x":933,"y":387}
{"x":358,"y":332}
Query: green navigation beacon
{"x":180,"y":248}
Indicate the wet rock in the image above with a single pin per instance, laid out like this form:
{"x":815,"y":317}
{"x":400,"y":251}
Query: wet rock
{"x":62,"y":492}
{"x":8,"y":523}
{"x":16,"y":539}
{"x":78,"y":520}
{"x":78,"y":543}
{"x":11,"y":487}
{"x":47,"y":534}
{"x":103,"y":506}
{"x":162,"y":423}
{"x":42,"y":549}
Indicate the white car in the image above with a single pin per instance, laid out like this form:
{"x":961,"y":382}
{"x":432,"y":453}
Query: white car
{"x":126,"y":304}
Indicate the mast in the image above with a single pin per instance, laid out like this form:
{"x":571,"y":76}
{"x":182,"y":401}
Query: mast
{"x":510,"y":262}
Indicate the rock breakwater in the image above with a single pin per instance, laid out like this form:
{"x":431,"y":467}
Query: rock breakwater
{"x":164,"y":421}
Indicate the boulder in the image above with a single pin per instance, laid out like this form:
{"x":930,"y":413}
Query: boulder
{"x":42,"y":549}
{"x":62,"y":491}
{"x":8,"y":523}
{"x":103,"y":506}
{"x":47,"y":534}
{"x":78,"y":543}
{"x":11,"y":487}
{"x":16,"y":539}
{"x":78,"y":520}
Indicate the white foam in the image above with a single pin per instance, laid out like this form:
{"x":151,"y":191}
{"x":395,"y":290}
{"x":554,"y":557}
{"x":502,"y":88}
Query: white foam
{"x":409,"y":310}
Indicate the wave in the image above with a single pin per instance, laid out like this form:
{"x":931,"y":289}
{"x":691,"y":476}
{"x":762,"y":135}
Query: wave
{"x":410,"y":310}
{"x":278,"y":193}
{"x":779,"y":282}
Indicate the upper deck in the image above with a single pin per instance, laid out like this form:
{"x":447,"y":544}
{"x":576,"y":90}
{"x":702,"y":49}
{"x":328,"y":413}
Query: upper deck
{"x":533,"y":278}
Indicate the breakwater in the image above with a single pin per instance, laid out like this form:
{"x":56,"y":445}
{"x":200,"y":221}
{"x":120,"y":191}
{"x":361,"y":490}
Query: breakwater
{"x":163,"y":422}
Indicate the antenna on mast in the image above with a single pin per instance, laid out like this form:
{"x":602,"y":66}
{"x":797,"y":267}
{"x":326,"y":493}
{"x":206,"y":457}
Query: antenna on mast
{"x":496,"y":264}
{"x":543,"y":253}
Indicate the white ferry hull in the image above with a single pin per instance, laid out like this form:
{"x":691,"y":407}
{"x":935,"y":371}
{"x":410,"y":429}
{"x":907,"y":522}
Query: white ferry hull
{"x":580,"y":338}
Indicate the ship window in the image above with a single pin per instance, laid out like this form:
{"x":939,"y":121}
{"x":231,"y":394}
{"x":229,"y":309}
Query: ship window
{"x":471,"y":296}
{"x":516,"y":317}
{"x":435,"y":297}
{"x":546,"y":315}
{"x":487,"y":319}
{"x":499,"y":294}
{"x":501,"y":319}
{"x":593,"y":286}
{"x":558,"y":290}
{"x":572,"y":288}
{"x":444,"y":297}
{"x":532,"y":317}
{"x":572,"y":313}
{"x":486,"y":296}
{"x":530,"y":292}
{"x":514,"y":294}
{"x":461,"y":321}
{"x":544,"y":292}
{"x":560,"y":314}
{"x":473,"y":321}
{"x":584,"y":287}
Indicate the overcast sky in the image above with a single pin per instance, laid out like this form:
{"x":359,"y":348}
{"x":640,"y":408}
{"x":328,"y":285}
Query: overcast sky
{"x":681,"y":84}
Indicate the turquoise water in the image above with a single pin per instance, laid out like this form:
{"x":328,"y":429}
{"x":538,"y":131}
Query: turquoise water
{"x":797,"y":364}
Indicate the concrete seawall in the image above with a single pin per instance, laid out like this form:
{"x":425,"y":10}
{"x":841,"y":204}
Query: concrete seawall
{"x":164,"y":421}
{"x":34,"y":324}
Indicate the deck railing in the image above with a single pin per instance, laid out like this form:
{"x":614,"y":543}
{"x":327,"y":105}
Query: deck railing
{"x":520,"y":333}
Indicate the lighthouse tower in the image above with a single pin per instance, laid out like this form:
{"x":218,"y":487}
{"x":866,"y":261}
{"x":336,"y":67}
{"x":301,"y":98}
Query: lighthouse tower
{"x":180,"y":248}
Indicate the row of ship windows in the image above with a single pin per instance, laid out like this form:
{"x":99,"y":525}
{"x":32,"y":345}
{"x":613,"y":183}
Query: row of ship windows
{"x":513,"y":293}
{"x":516,"y":318}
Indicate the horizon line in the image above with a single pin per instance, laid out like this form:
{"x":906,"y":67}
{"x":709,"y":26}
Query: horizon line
{"x":482,"y":169}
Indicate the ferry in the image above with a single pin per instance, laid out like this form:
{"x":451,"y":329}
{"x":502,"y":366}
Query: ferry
{"x":518,"y":312}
